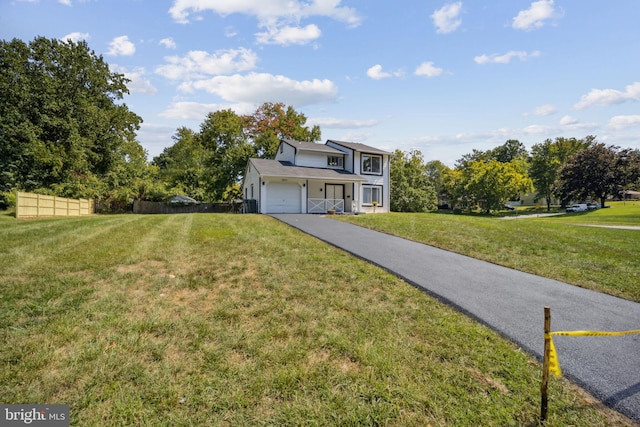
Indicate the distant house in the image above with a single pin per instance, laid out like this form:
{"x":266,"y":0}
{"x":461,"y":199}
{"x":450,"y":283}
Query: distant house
{"x":307,"y":177}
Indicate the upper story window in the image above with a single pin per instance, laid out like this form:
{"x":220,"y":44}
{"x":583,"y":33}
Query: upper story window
{"x":335,"y":161}
{"x":371,"y":164}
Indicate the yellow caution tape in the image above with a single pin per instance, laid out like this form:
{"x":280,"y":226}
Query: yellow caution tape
{"x":594,"y":333}
{"x":554,"y":363}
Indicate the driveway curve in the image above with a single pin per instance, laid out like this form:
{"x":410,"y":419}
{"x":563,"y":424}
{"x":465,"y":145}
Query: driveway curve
{"x":512,"y":303}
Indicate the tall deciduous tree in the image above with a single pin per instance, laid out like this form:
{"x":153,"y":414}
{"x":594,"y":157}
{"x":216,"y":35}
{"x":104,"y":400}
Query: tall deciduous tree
{"x":491,"y":184}
{"x":510,"y":151}
{"x":597,"y":171}
{"x":224,"y":135}
{"x":62,"y":122}
{"x":181,"y":167}
{"x":437,"y":173}
{"x":546,"y":160}
{"x":412,"y":190}
{"x":544,"y":168}
{"x":272,"y":122}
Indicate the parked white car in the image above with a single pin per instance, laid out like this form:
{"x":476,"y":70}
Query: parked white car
{"x":578,"y":207}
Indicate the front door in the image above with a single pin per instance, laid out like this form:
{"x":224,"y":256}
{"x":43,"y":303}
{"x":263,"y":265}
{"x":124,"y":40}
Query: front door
{"x":334,"y":195}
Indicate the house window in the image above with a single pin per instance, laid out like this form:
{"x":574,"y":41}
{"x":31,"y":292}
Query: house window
{"x":335,"y":161}
{"x":371,"y":164}
{"x":370,"y":194}
{"x":252,"y":191}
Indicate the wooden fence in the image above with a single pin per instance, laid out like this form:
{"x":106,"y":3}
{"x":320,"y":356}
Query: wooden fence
{"x":30,"y":205}
{"x":144,"y":207}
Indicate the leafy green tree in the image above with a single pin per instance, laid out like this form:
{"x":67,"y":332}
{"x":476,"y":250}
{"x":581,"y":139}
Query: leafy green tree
{"x":629,"y":170}
{"x":272,"y":122}
{"x":182,"y":166}
{"x":597,"y":171}
{"x":436,"y":171}
{"x":546,"y":160}
{"x":510,"y":151}
{"x":412,"y":190}
{"x":223,"y":135}
{"x":62,"y":125}
{"x":543,"y":170}
{"x":491,"y":184}
{"x":474,"y":156}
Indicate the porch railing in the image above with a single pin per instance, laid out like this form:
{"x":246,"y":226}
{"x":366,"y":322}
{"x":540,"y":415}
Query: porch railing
{"x":324,"y":205}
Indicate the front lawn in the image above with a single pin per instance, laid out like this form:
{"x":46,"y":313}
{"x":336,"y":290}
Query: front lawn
{"x":209,"y":319}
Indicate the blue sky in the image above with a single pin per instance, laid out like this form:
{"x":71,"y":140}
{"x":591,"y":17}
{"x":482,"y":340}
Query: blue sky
{"x":442,"y":77}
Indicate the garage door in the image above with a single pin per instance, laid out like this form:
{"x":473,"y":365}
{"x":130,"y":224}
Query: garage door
{"x":283,"y":198}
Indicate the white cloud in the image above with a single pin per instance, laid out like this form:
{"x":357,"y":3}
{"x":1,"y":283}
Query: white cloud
{"x":543,"y":110}
{"x":197,"y":64}
{"x":65,"y":2}
{"x":568,"y":120}
{"x":606,"y":97}
{"x":336,"y":123}
{"x":261,"y":87}
{"x":138,"y":83}
{"x":185,"y":110}
{"x":446,"y":18}
{"x":289,"y":35}
{"x":75,"y":37}
{"x":121,"y":46}
{"x":168,"y":43}
{"x":427,"y":69}
{"x":505,"y":58}
{"x":535,"y":16}
{"x":376,"y":72}
{"x":268,"y":12}
{"x":622,"y":122}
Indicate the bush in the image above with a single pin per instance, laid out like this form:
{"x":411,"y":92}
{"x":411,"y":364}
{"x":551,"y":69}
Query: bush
{"x":7,"y":200}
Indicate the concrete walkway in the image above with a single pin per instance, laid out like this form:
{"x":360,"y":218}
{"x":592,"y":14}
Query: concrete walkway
{"x":512,"y":303}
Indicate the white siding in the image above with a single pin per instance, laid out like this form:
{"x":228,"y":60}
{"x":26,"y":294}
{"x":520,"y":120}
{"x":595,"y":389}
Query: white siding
{"x":251,"y":182}
{"x":312,"y":159}
{"x":286,"y":153}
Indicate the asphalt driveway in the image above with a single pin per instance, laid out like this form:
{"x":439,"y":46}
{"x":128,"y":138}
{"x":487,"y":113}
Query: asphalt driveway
{"x":512,"y":303}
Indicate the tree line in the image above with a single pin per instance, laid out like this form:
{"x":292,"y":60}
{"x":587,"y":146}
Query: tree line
{"x":65,"y":130}
{"x":564,"y":169}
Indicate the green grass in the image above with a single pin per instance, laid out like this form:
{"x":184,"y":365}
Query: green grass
{"x":240,"y":320}
{"x":558,"y":247}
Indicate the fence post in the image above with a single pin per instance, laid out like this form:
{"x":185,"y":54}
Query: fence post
{"x":545,"y":365}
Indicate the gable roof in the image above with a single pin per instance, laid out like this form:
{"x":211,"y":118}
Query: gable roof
{"x":281,"y":169}
{"x":311,"y":146}
{"x":356,"y":146}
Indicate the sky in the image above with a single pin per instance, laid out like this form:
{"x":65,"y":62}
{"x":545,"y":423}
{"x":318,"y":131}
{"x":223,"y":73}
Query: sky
{"x":441,"y":77}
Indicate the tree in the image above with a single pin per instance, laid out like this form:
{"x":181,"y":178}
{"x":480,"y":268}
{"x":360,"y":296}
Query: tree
{"x":224,"y":135}
{"x":271,"y":122}
{"x":436,"y":172}
{"x":490,"y":184}
{"x":597,"y":171}
{"x":209,"y":164}
{"x":628,"y":167}
{"x":181,"y":167}
{"x":62,"y":125}
{"x":413,"y":191}
{"x":546,"y":160}
{"x":510,"y":151}
{"x":544,"y":167}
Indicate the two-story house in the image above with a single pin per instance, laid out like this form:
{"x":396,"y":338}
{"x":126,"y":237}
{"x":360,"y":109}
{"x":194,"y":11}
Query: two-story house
{"x":307,"y":177}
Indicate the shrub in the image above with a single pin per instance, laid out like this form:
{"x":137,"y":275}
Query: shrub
{"x":7,"y":200}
